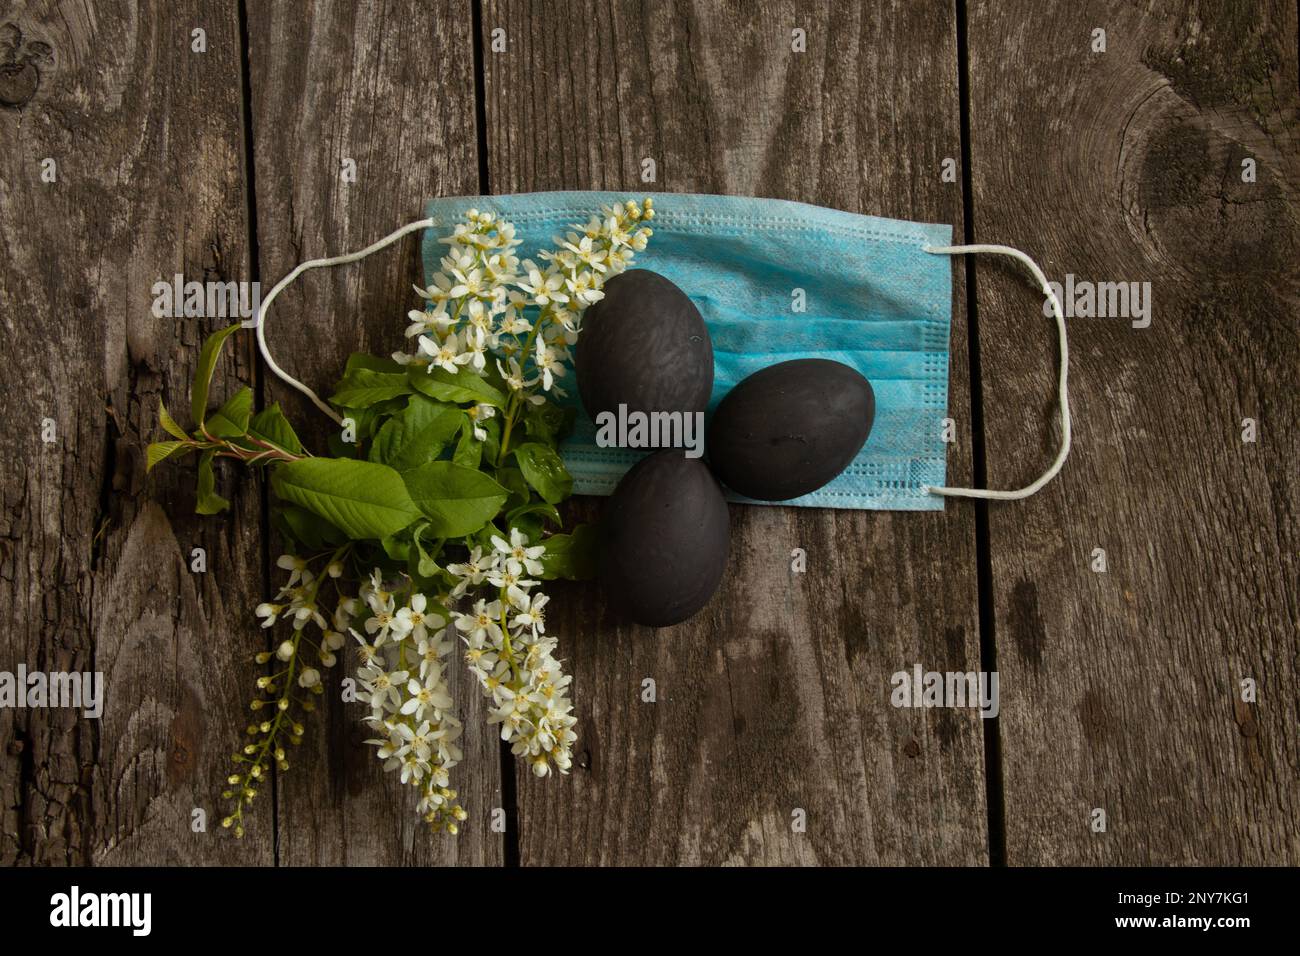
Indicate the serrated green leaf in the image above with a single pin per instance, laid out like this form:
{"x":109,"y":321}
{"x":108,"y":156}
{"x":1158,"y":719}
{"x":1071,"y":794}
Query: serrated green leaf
{"x":270,"y":425}
{"x":208,"y":356}
{"x":363,"y":387}
{"x":416,"y":435}
{"x":231,"y":419}
{"x":362,"y":499}
{"x":544,"y":471}
{"x":573,"y":557}
{"x":465,"y":386}
{"x":162,"y":450}
{"x":169,"y":424}
{"x":206,"y":499}
{"x":456,"y":500}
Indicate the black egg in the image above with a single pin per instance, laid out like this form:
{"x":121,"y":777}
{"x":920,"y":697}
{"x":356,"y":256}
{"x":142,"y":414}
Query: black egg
{"x":665,"y":536}
{"x":789,"y":429}
{"x":644,"y":346}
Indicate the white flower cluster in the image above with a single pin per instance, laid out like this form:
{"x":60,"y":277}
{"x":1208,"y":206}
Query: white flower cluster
{"x":299,"y":601}
{"x":480,"y":303}
{"x":405,"y":682}
{"x":510,"y":654}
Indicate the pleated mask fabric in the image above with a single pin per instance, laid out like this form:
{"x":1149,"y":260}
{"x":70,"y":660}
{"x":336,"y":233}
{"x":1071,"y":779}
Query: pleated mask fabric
{"x":872,"y":298}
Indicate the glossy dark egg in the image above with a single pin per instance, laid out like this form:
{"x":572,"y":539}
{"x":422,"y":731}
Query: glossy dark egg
{"x":665,"y":539}
{"x":787,"y":430}
{"x":644,"y":345}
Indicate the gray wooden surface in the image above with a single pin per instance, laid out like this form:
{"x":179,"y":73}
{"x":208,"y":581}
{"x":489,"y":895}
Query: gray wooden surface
{"x":1120,"y":690}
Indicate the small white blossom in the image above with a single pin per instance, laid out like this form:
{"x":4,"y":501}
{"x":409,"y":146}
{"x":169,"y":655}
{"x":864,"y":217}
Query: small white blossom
{"x":293,"y":564}
{"x":483,"y":623}
{"x":518,"y":555}
{"x":446,"y":353}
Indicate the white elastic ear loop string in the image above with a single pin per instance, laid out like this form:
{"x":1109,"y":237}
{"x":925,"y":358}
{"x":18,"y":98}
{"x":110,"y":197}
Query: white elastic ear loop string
{"x":260,"y":323}
{"x":1063,"y":396}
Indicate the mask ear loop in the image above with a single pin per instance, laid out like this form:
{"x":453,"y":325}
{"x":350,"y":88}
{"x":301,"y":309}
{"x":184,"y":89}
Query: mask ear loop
{"x":260,"y":323}
{"x":1063,"y":397}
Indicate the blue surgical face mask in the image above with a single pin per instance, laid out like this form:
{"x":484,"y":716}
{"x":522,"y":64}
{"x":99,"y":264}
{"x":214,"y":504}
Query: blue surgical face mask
{"x":776,"y":281}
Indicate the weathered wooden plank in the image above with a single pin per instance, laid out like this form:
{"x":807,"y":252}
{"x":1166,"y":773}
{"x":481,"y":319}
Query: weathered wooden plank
{"x":95,"y":560}
{"x":1121,"y":691}
{"x":390,"y":86}
{"x":776,"y":697}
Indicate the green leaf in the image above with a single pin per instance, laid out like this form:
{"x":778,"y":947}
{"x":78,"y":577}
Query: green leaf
{"x":361,"y":498}
{"x":457,"y":500}
{"x":372,"y":363}
{"x":231,"y":419}
{"x":169,"y":424}
{"x":338,"y":448}
{"x":396,"y":548}
{"x":469,"y":450}
{"x":302,"y":527}
{"x":425,"y":566}
{"x":208,"y":356}
{"x":547,"y":422}
{"x":270,"y":425}
{"x":543,"y":508}
{"x":492,"y":444}
{"x":513,"y":480}
{"x":206,"y":500}
{"x":530,"y":524}
{"x":572,"y":556}
{"x":417,"y":435}
{"x":465,"y":386}
{"x":161,"y":450}
{"x":544,"y":470}
{"x":365,"y":422}
{"x":363,"y":387}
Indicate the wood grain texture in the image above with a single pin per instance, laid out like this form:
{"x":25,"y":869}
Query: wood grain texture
{"x":1121,"y":690}
{"x":776,"y":696}
{"x":389,"y":85}
{"x":94,"y":557}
